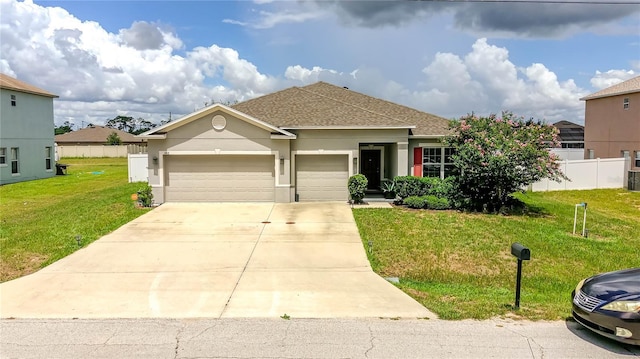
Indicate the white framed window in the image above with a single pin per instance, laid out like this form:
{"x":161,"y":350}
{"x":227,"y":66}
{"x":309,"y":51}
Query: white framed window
{"x":436,"y":162}
{"x":47,"y":158}
{"x":15,"y":160}
{"x":638,"y":158}
{"x":13,"y":100}
{"x":3,"y":156}
{"x":625,"y":103}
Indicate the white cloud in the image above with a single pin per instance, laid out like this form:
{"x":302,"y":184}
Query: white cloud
{"x":301,"y":74}
{"x":609,"y":78}
{"x":97,"y":73}
{"x":284,"y":13}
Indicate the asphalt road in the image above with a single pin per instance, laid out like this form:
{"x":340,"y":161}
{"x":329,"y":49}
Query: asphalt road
{"x":301,"y":338}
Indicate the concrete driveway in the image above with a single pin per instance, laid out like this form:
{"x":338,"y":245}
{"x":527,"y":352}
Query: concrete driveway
{"x":216,"y":260}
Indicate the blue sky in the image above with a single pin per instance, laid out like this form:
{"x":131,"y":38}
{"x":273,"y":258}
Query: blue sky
{"x":151,"y":58}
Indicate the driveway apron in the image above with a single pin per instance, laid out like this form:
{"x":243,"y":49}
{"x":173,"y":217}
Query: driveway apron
{"x":190,"y":260}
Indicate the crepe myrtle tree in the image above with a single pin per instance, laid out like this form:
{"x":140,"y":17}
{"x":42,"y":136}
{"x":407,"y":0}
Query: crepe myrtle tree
{"x":497,"y":156}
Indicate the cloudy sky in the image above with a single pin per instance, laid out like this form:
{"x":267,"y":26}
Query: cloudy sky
{"x":152,"y":58}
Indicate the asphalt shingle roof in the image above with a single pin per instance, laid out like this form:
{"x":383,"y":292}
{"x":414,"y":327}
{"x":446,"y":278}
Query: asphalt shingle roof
{"x":10,"y":83}
{"x":95,"y":134}
{"x":629,"y":86}
{"x":325,"y":105}
{"x":570,"y":131}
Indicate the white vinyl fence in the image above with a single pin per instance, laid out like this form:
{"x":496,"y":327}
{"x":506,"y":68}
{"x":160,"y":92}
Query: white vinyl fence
{"x":588,"y":174}
{"x":138,"y":164}
{"x":99,"y":151}
{"x":569,"y":153}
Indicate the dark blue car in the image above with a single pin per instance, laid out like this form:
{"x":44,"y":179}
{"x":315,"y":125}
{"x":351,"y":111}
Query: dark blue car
{"x":609,"y":304}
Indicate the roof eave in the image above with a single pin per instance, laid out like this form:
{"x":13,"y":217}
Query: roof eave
{"x":348,"y":128}
{"x":594,"y":97}
{"x":160,"y":136}
{"x":210,"y":109}
{"x":427,"y":136}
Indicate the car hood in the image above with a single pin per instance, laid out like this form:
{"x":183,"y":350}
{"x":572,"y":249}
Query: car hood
{"x":614,"y":285}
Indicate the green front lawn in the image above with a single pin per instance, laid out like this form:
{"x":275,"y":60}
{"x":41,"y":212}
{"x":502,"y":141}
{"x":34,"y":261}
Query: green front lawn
{"x":41,"y":219}
{"x":459,"y":265}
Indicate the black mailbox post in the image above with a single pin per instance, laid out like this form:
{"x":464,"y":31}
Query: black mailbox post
{"x":523,"y":254}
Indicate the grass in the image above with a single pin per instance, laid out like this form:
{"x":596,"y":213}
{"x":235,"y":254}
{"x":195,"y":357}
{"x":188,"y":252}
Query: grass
{"x":41,"y":219}
{"x":460,"y":266}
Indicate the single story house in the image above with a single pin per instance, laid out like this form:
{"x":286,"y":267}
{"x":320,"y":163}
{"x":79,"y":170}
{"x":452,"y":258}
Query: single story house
{"x":93,"y":135}
{"x":298,"y":144}
{"x":26,"y":135}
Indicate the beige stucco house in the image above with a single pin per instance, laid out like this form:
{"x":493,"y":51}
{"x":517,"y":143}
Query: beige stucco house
{"x":612,"y":122}
{"x":298,"y":144}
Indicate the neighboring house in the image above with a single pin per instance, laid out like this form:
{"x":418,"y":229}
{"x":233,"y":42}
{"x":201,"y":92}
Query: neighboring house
{"x":26,"y":131}
{"x":94,"y":136}
{"x":571,"y":134}
{"x":571,"y":141}
{"x":612,"y":122}
{"x":298,"y":144}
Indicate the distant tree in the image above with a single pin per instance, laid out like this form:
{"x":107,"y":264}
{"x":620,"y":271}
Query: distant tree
{"x":129,"y":124}
{"x":113,"y":139}
{"x":64,"y":128}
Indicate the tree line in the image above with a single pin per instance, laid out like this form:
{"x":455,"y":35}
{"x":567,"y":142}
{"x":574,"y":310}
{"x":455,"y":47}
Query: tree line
{"x":134,"y":126}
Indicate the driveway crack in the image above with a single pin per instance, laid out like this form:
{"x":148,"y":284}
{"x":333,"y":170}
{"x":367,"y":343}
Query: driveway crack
{"x":246,"y":264}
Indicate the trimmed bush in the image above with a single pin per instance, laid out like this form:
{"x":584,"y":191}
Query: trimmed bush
{"x":418,"y":202}
{"x":410,"y":186}
{"x":427,"y":202}
{"x":357,"y":185}
{"x":434,"y":202}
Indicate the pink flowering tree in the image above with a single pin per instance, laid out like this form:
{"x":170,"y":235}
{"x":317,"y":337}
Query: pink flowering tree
{"x":497,"y":156}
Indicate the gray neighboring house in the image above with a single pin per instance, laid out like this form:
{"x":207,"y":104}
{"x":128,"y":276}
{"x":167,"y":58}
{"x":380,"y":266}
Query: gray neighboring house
{"x":26,"y":131}
{"x":298,"y":144}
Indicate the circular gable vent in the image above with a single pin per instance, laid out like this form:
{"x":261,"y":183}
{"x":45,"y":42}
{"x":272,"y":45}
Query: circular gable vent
{"x":218,"y":122}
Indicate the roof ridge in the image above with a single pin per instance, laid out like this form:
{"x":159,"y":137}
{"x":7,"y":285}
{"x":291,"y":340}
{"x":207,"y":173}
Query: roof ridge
{"x":355,"y":106}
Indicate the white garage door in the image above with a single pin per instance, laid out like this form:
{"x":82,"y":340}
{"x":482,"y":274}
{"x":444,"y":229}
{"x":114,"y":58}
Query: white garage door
{"x":322,"y":177}
{"x":219,"y":178}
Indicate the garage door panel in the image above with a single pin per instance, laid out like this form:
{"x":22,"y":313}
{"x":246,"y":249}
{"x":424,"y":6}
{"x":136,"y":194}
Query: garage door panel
{"x":322,"y":177}
{"x":220,"y":178}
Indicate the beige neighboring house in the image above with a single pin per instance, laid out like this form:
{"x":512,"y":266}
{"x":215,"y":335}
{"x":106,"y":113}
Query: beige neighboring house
{"x":298,"y":144}
{"x":94,"y":136}
{"x":612,"y":122}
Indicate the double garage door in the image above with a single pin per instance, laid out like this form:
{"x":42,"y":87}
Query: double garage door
{"x":251,"y":178}
{"x":219,"y":178}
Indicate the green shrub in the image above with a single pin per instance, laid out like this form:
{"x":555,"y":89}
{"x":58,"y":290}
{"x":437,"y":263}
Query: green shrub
{"x":418,"y":202}
{"x":433,"y":202}
{"x":145,"y":196}
{"x":410,"y":186}
{"x":357,"y":185}
{"x":427,"y":202}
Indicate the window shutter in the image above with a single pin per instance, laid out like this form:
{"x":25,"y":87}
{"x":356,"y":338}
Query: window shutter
{"x":417,"y":161}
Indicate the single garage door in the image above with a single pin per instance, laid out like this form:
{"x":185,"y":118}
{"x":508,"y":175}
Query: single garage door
{"x":219,"y":178}
{"x":322,"y":177}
